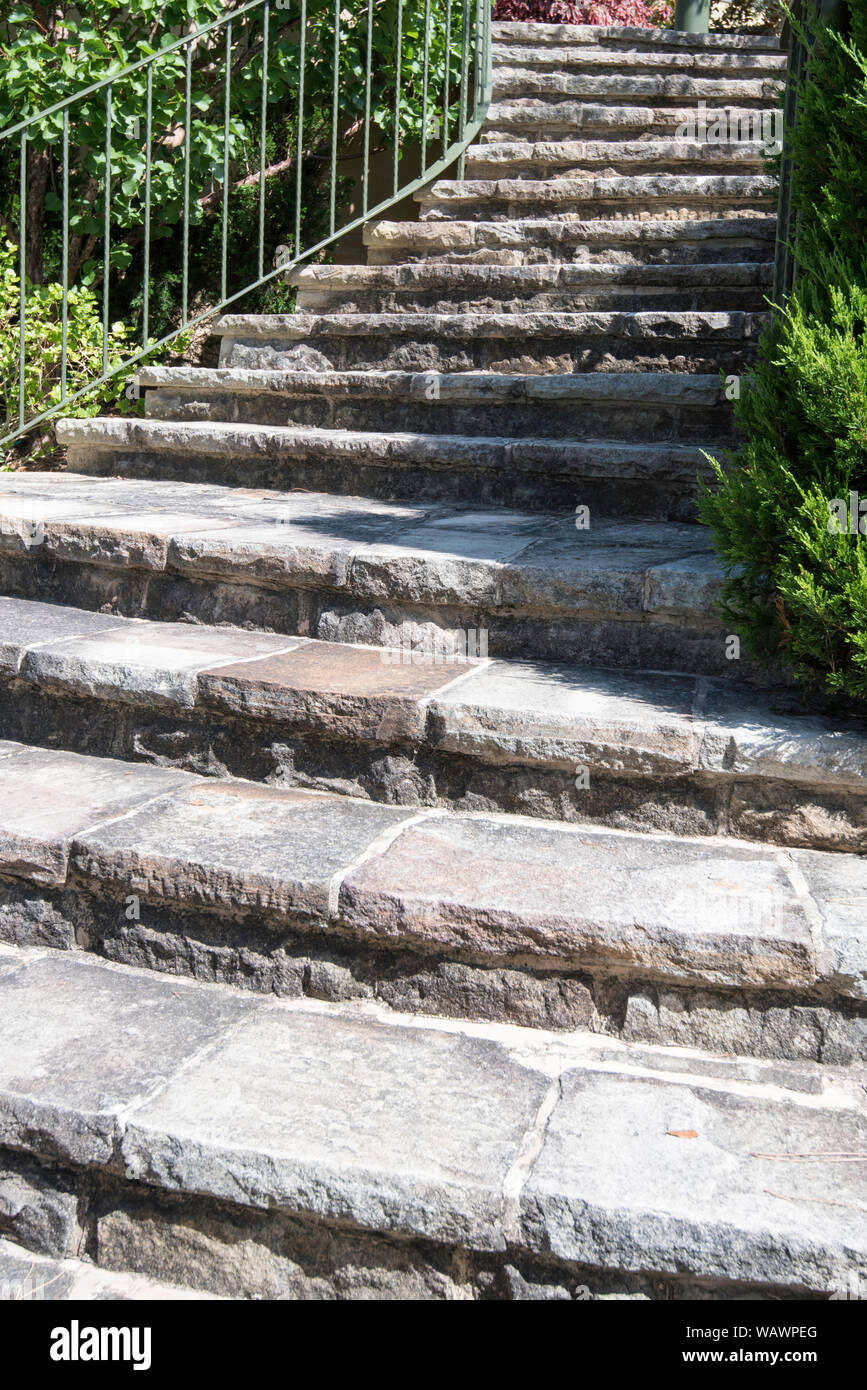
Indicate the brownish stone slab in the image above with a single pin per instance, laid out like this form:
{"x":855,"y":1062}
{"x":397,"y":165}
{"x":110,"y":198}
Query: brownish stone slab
{"x":361,"y":692}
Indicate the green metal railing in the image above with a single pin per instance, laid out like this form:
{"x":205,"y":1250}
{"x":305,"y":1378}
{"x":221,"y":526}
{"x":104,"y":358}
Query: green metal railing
{"x":784,"y":255}
{"x":177,"y":123}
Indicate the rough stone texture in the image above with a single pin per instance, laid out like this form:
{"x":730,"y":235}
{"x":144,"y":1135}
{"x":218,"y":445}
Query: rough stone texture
{"x":325,"y":1115}
{"x":50,"y":796}
{"x":82,"y":1041}
{"x":37,"y":1209}
{"x":157,"y":661}
{"x":26,"y":1277}
{"x":480,"y":1139}
{"x":585,"y":898}
{"x":237,"y":844}
{"x":729,"y":1191}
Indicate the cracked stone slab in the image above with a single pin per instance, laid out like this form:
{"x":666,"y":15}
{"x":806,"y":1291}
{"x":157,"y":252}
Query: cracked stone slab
{"x":237,"y":844}
{"x":399,"y":1129}
{"x":358,"y":692}
{"x":82,"y":1042}
{"x":564,"y":717}
{"x":47,"y":797}
{"x":613,"y":1187}
{"x":713,"y":911}
{"x":152,"y":662}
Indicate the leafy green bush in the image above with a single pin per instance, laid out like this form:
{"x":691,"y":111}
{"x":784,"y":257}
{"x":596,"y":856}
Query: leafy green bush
{"x":796,"y":587}
{"x":42,"y":342}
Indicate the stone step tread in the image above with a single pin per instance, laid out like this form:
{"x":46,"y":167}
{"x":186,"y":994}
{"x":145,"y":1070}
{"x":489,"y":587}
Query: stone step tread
{"x":529,"y":278}
{"x":573,"y":110}
{"x":656,"y":388}
{"x":526,"y":233}
{"x":550,"y":153}
{"x":597,"y":187}
{"x":470,"y":1136}
{"x":601,"y":457}
{"x":692,"y":324}
{"x":708,"y":912}
{"x":527,"y":80}
{"x":521,"y":712}
{"x":627,"y":38}
{"x":27,"y":1276}
{"x":418,"y":552}
{"x":563,"y":55}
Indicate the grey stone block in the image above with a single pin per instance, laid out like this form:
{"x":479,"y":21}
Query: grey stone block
{"x":614,"y":1186}
{"x":83,"y":1041}
{"x":393,"y":1129}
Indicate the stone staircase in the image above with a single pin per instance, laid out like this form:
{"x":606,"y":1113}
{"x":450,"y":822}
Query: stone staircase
{"x":404,"y":892}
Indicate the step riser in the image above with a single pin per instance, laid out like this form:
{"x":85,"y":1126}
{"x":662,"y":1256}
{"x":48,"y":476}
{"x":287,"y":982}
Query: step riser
{"x":657,"y":493}
{"x":516,"y":355}
{"x":583,"y":62}
{"x":312,"y":752}
{"x":293,"y":958}
{"x":548,"y":242}
{"x":639,"y":421}
{"x":629,"y":39}
{"x":514,"y":83}
{"x":647,"y":166}
{"x":228,"y":1250}
{"x":715,"y":298}
{"x":514,"y":205}
{"x":597,"y":637}
{"x":537,"y":118}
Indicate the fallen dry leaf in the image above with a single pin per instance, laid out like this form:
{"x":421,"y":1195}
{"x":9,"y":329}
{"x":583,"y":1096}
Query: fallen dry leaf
{"x":683,"y":1133}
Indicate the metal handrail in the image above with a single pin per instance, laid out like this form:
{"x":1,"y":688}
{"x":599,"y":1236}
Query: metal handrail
{"x":461,"y":108}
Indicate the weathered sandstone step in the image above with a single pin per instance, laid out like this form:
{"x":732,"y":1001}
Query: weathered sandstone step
{"x":448,"y":288}
{"x":352,"y":569}
{"x":697,"y":340}
{"x":497,"y":890}
{"x":523,"y":241}
{"x":700,"y":63}
{"x":678,"y":88}
{"x":429,"y":727}
{"x":627,"y":39}
{"x":612,"y":472}
{"x":540,"y":118}
{"x":557,"y":158}
{"x":682,"y":196}
{"x":292,"y":1149}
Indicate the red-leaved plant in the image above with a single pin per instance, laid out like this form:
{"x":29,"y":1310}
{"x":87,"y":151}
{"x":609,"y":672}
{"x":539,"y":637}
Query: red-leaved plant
{"x":633,"y":13}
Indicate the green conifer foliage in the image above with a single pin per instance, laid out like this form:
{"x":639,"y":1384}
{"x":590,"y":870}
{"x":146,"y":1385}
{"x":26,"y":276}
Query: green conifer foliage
{"x":796,"y":587}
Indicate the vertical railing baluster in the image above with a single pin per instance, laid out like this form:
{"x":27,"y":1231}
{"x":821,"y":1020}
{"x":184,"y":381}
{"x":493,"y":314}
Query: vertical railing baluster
{"x":227,"y":104}
{"x":266,"y":22}
{"x":22,"y":272}
{"x":188,"y":139}
{"x":424,"y":84}
{"x":64,"y":259}
{"x":477,"y":56}
{"x":149,"y":124}
{"x":447,"y":75}
{"x":365,"y":173}
{"x":398,"y":54}
{"x":302,"y":58}
{"x":106,"y":249}
{"x":332,"y":222}
{"x":465,"y":60}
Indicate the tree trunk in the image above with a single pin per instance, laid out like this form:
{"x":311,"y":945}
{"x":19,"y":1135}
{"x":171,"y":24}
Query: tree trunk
{"x":38,"y":168}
